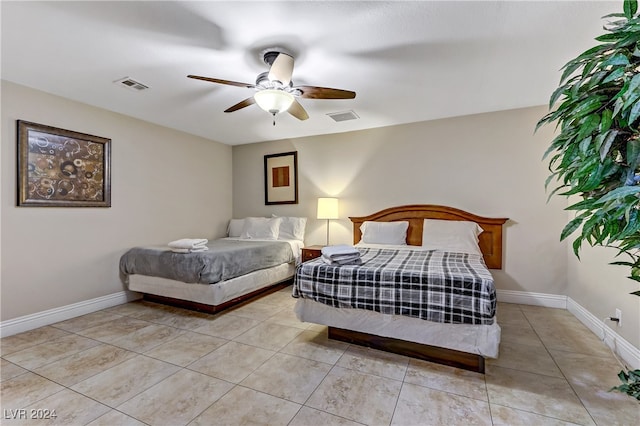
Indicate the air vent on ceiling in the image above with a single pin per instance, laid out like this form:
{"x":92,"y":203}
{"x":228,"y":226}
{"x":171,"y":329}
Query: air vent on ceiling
{"x":343,"y":116}
{"x":131,"y":84}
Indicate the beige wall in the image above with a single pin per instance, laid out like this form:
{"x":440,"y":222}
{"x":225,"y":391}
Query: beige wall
{"x":601,"y":288}
{"x":168,"y":185}
{"x":488,"y":164}
{"x":165,"y":185}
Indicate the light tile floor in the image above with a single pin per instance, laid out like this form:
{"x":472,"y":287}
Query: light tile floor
{"x":143,"y":363}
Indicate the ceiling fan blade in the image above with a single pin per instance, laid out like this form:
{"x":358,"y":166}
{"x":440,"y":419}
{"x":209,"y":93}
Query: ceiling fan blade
{"x":228,"y":82}
{"x":313,"y":92}
{"x":242,"y":104}
{"x":297,"y":111}
{"x":282,"y":69}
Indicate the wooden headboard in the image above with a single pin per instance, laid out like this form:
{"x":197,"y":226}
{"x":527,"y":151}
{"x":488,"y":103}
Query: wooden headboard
{"x":490,"y":240}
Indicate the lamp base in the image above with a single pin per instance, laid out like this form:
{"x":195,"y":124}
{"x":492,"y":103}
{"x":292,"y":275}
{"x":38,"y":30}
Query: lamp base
{"x":327,"y":232}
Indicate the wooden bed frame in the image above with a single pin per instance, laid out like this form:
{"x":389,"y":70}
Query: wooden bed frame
{"x":490,"y":242}
{"x":214,"y":309}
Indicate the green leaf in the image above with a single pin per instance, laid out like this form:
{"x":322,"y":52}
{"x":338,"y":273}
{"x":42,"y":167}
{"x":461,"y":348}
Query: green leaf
{"x":585,"y":144}
{"x":582,"y":205}
{"x":596,"y":79}
{"x":631,"y":98}
{"x":635,"y":83}
{"x":587,"y":107}
{"x":608,"y":37}
{"x":571,"y":227}
{"x":620,"y":192}
{"x":634,"y":113}
{"x":548,"y":180}
{"x":606,"y":120}
{"x":597,"y":141}
{"x":588,"y":68}
{"x":617,"y":106}
{"x":615,"y":74}
{"x":589,"y":124}
{"x":555,"y":95}
{"x":606,"y":145}
{"x":569,"y":69}
{"x":633,"y":225}
{"x":594,"y":179}
{"x":633,"y":153}
{"x":593,"y":52}
{"x":616,"y":60}
{"x":621,"y":263}
{"x":591,"y":227}
{"x":577,"y":243}
{"x":630,"y":7}
{"x":554,"y":191}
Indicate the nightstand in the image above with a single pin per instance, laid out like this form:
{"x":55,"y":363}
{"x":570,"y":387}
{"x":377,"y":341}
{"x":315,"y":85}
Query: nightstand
{"x":311,"y":252}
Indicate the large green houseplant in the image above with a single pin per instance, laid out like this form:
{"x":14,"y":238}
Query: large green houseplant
{"x":596,"y":153}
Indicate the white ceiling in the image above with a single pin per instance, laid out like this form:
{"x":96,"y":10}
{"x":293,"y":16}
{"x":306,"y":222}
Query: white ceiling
{"x":407,"y":61}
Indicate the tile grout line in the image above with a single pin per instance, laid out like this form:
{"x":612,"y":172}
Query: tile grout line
{"x":234,"y":385}
{"x":559,"y":369}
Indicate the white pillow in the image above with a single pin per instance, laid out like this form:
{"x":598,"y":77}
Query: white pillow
{"x":235,"y":228}
{"x":451,"y":235}
{"x":384,"y":232}
{"x":292,"y":228}
{"x":261,"y":228}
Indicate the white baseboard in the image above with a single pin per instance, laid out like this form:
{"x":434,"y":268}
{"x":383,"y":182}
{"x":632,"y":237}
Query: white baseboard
{"x":52,"y":316}
{"x":629,"y":353}
{"x":536,"y":299}
{"x":625,"y":350}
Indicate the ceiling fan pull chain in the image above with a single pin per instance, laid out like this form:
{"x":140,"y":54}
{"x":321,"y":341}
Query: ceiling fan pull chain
{"x":274,"y":118}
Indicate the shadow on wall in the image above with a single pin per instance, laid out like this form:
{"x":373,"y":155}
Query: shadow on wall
{"x":504,"y":281}
{"x":331,"y":173}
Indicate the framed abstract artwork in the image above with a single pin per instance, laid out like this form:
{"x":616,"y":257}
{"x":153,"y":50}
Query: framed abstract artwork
{"x":62,"y":168}
{"x":281,"y":178}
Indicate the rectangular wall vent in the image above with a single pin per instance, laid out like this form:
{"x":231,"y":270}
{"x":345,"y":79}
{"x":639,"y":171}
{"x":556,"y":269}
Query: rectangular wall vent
{"x":343,"y":116}
{"x":131,"y":84}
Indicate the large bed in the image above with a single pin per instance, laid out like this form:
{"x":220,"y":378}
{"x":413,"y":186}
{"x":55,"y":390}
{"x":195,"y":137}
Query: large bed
{"x":232,"y":269}
{"x":460,"y":336}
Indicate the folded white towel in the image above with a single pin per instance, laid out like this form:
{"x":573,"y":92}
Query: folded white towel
{"x":189,"y":243}
{"x":343,"y":260}
{"x":179,"y":250}
{"x":332,"y":252}
{"x":193,"y":250}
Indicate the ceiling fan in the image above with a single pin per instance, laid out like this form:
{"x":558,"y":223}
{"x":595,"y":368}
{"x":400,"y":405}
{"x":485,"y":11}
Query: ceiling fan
{"x":275,"y":92}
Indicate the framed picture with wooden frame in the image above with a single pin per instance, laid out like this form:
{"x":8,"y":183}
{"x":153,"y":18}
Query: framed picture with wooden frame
{"x":281,"y":178}
{"x":62,"y":168}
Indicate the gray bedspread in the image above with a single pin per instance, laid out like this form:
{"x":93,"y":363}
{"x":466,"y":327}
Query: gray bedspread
{"x":225,"y":259}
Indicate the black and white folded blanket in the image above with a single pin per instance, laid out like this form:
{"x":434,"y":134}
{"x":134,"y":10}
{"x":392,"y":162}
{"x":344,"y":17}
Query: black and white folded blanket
{"x":189,"y":245}
{"x":341,"y":255}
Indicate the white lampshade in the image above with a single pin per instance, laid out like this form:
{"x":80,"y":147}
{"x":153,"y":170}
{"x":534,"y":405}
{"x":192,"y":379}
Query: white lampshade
{"x":328,"y":208}
{"x":273,"y":100}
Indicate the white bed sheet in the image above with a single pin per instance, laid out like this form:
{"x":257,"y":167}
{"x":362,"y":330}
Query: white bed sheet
{"x":212,"y":294}
{"x":482,"y":340}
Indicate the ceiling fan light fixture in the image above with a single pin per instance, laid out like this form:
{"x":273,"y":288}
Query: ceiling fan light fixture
{"x":274,"y":101}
